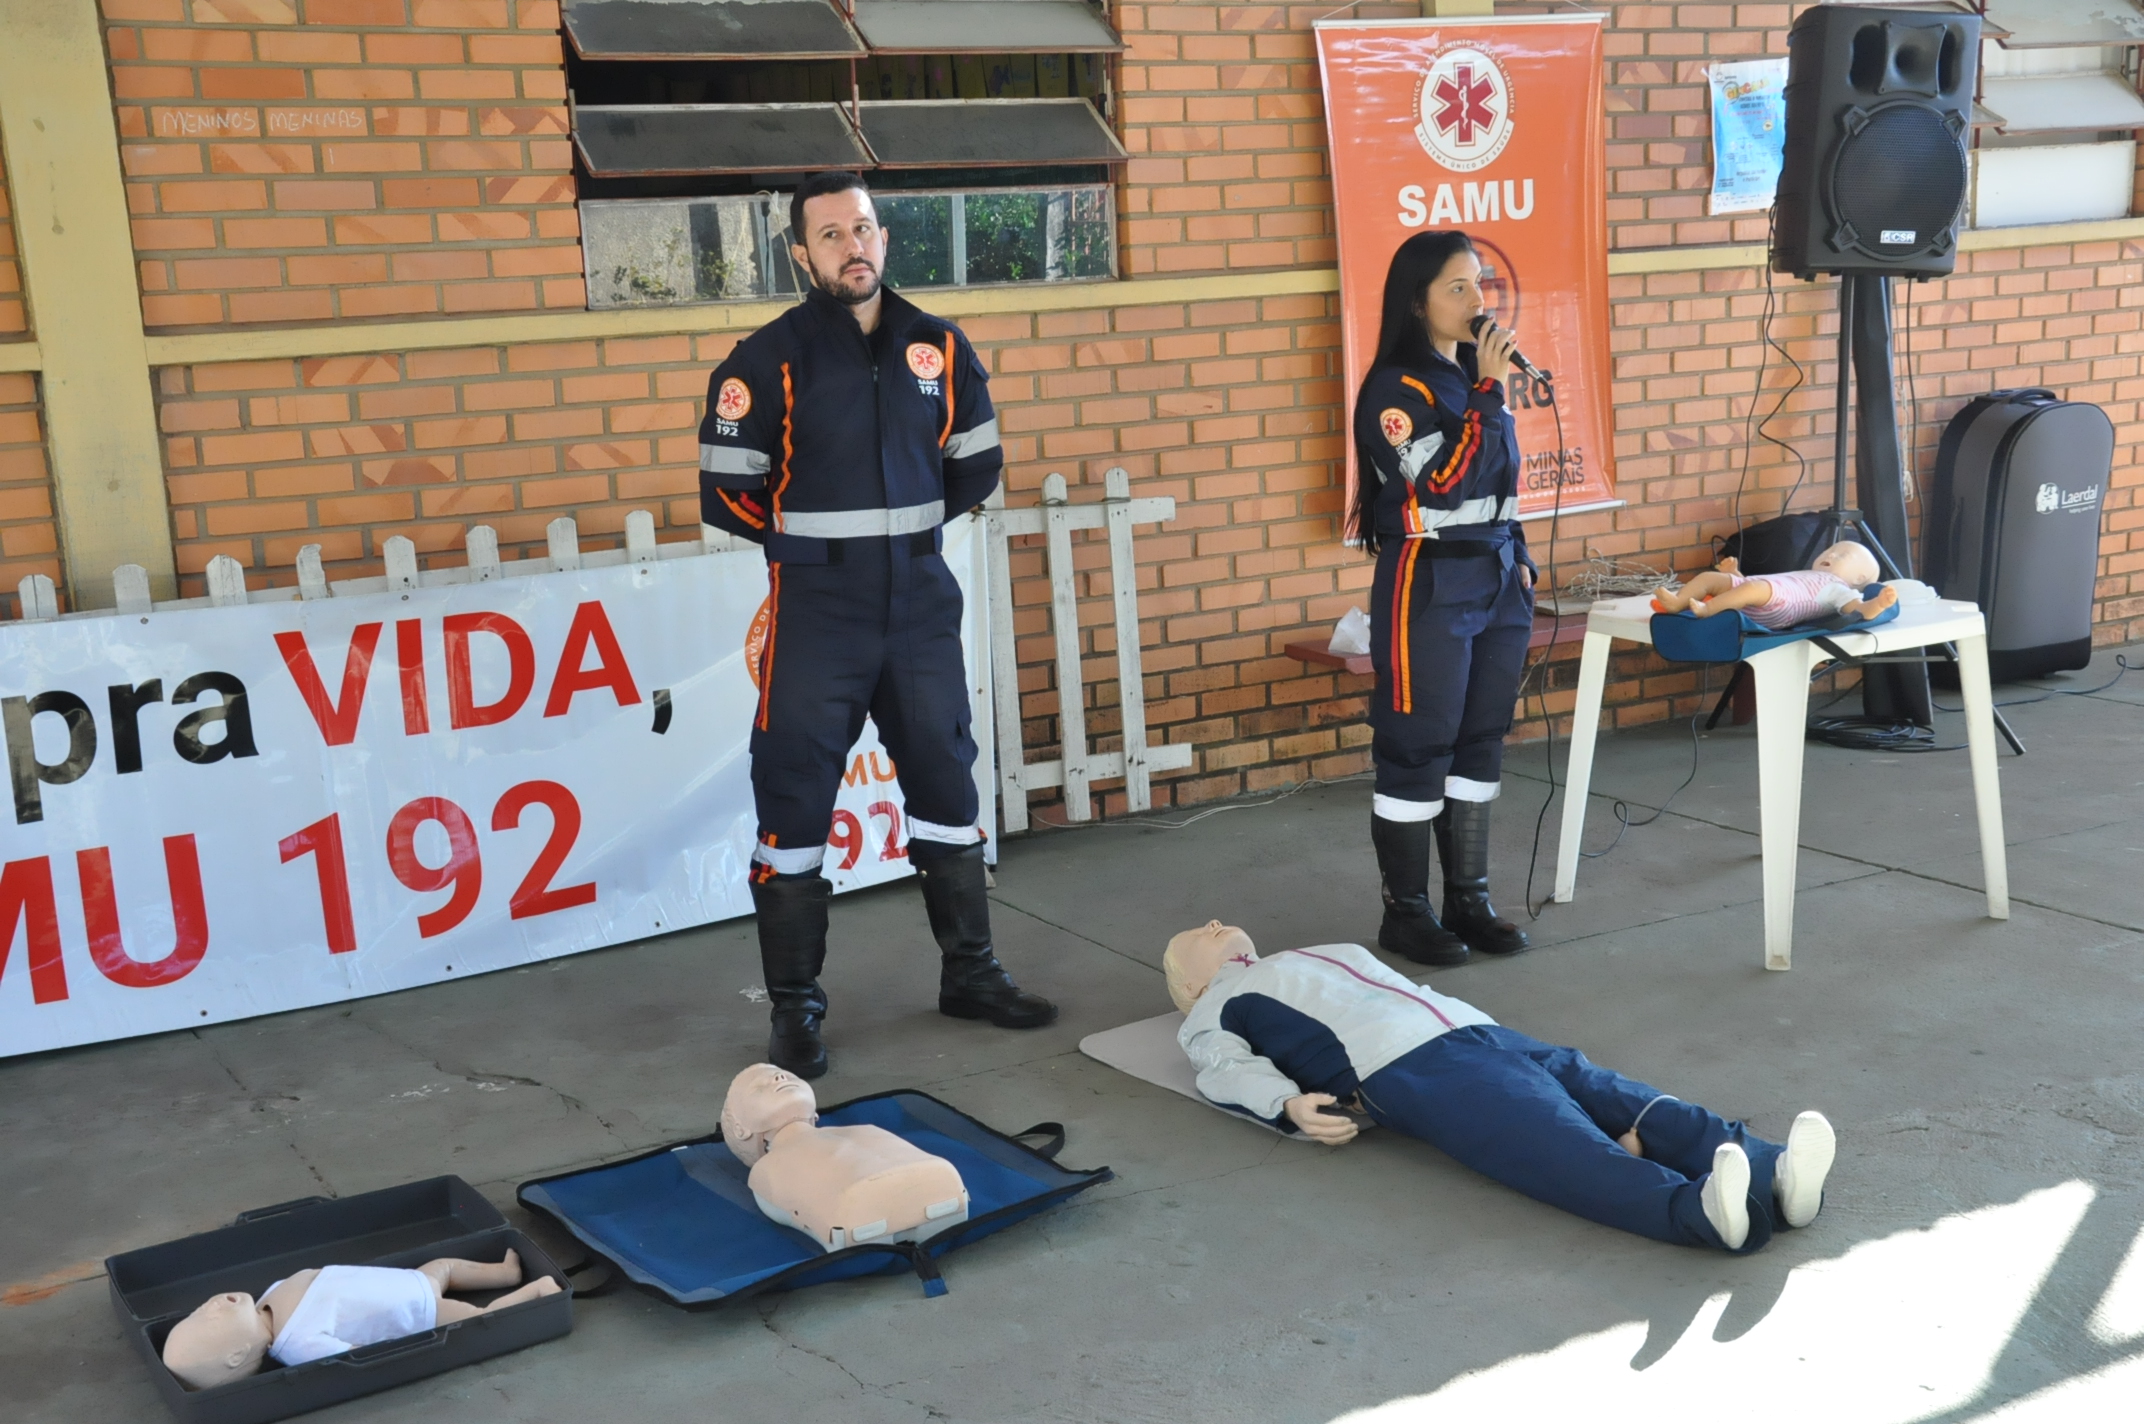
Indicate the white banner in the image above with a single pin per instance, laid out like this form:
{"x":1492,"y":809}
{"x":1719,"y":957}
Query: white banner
{"x":222,"y":812}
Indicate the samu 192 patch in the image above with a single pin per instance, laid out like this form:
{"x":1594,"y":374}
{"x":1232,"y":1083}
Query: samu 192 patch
{"x":1396,"y":424}
{"x":733,"y":400}
{"x":927,"y":361}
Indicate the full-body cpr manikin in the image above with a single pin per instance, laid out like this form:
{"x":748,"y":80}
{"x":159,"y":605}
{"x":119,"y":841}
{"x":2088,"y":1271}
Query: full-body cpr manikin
{"x":1285,"y":1038}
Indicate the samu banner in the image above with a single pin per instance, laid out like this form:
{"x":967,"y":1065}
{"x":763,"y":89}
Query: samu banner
{"x":1493,"y":127}
{"x":222,"y":812}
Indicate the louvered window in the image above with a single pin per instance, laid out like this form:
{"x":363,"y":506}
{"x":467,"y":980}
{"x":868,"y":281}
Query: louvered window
{"x":2055,"y":138}
{"x":983,"y":127}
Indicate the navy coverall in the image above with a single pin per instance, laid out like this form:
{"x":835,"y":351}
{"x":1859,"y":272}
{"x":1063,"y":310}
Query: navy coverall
{"x":1335,"y":1019}
{"x":1450,"y":612}
{"x":844,"y":453}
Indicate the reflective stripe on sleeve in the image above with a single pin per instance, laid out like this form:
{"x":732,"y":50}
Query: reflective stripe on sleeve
{"x":973,"y":442}
{"x":863,"y":523}
{"x":1419,"y":453}
{"x":730,"y":460}
{"x":1485,"y":510}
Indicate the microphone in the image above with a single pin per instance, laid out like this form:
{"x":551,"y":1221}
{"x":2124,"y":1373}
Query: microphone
{"x":1517,"y":359}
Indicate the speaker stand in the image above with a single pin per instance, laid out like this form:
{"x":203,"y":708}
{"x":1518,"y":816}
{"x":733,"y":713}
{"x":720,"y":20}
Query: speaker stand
{"x":1890,"y":692}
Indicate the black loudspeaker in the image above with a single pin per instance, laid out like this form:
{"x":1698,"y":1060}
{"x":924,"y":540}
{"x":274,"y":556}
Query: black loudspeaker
{"x":1879,"y":108}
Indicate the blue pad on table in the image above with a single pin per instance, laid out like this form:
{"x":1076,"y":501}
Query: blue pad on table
{"x":1730,"y":638}
{"x":682,"y":1222}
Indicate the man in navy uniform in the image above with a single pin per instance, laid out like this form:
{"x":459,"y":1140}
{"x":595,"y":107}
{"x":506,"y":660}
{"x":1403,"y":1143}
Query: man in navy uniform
{"x":841,"y":436}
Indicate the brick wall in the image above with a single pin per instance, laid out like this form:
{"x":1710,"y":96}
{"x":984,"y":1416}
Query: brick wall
{"x":29,"y":539}
{"x":1231,"y":407}
{"x":14,"y":318}
{"x":315,"y":160}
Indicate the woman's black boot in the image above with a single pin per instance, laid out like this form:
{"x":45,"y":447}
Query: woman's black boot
{"x":792,"y":950}
{"x":1410,"y":928}
{"x":1463,"y":846}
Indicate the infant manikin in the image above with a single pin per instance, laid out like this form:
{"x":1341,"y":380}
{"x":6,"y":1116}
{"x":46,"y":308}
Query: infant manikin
{"x":841,"y":1186}
{"x":1832,"y":584}
{"x":323,"y":1312}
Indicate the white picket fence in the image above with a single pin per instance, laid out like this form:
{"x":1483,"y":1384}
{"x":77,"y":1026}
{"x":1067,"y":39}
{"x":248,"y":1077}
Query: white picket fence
{"x":1076,"y":767}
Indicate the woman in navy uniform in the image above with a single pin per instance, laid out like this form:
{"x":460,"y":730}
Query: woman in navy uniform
{"x":842,"y":435}
{"x":1452,"y":604}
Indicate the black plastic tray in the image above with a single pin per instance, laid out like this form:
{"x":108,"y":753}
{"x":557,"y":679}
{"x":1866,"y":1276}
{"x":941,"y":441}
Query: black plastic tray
{"x":158,"y":1286}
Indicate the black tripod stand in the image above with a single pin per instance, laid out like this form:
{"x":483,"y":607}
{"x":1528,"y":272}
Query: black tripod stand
{"x":1889,"y":691}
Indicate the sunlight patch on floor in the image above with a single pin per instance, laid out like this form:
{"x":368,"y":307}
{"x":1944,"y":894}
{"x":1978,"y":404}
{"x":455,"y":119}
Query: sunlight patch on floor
{"x":1893,"y":1331}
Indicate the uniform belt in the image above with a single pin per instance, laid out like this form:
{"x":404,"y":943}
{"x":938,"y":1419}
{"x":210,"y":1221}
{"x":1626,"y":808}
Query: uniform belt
{"x":802,"y":549}
{"x":1458,"y":549}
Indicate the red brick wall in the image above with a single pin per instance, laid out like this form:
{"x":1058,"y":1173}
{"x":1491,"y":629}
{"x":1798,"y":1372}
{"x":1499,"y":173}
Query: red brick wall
{"x":14,"y":319}
{"x":1233,"y":407}
{"x":315,"y":160}
{"x":29,"y":539}
{"x":345,"y":452}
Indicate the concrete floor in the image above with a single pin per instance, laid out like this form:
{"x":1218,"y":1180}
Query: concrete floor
{"x":1979,"y":1257}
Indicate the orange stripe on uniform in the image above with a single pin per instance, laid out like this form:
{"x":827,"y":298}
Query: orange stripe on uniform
{"x":947,"y":433}
{"x":740,"y":510}
{"x":1455,"y":469}
{"x":1402,"y":605}
{"x":1411,"y":381}
{"x":789,"y":410}
{"x":766,"y":651}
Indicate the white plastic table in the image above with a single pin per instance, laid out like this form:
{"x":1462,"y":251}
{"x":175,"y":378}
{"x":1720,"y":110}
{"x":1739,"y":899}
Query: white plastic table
{"x":1782,"y":680}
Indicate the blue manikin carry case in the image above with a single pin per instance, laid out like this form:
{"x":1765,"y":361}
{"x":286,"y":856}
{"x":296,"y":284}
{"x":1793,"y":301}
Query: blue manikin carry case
{"x":680,"y":1221}
{"x":1687,"y":638}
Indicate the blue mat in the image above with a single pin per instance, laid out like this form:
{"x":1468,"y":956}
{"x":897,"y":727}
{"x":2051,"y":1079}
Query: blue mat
{"x":1687,"y":638}
{"x":681,"y":1220}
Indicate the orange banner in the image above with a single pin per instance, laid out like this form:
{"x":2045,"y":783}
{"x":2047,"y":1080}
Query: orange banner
{"x":1493,"y":127}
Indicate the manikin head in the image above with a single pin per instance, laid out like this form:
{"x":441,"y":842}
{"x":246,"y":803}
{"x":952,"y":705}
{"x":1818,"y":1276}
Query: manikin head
{"x":1848,"y":562}
{"x":1195,"y":956}
{"x":225,"y":1339}
{"x":762,"y":1101}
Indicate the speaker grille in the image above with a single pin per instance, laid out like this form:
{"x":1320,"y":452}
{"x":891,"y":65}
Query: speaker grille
{"x":1903,"y":172}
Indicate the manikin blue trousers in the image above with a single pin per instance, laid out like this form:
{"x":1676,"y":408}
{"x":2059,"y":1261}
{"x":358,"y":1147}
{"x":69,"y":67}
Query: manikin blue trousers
{"x":1544,"y":1120}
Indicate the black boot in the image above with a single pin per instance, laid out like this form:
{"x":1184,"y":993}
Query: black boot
{"x":792,"y":949}
{"x":1463,"y":846}
{"x":971,"y":982}
{"x":1410,"y":929}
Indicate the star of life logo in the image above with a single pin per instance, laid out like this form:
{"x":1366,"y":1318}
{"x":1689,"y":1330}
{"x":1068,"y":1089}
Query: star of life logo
{"x":1464,"y":107}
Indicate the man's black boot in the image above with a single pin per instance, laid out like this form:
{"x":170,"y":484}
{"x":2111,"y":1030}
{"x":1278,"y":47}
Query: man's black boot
{"x":971,"y":982}
{"x":1410,"y":929}
{"x":792,"y":949}
{"x":1463,"y":846}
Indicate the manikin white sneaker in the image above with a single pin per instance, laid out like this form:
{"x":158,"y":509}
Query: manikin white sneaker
{"x":1726,"y":1195}
{"x":1798,"y":1179}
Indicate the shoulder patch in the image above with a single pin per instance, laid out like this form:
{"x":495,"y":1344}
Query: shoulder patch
{"x":927,"y":361}
{"x":734,"y":400}
{"x":1396,"y":424}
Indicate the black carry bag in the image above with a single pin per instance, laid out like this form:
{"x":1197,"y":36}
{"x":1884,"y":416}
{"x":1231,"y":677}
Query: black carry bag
{"x":2012,"y":524}
{"x":681,"y":1221}
{"x":156,"y":1287}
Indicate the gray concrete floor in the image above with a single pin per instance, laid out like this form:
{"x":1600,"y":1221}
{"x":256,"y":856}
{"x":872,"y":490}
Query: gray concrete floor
{"x":1984,"y":1079}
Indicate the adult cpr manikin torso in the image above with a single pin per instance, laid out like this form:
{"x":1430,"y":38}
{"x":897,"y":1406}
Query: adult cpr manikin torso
{"x":841,"y":1186}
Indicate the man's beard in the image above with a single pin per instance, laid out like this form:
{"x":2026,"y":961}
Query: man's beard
{"x":853,"y":286}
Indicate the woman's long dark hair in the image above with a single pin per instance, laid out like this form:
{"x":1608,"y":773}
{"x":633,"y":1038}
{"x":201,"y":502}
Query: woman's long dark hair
{"x":1402,"y":340}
